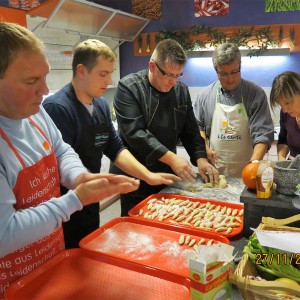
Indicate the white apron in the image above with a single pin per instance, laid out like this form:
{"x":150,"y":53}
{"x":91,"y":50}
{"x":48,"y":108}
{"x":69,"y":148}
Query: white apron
{"x":230,"y":137}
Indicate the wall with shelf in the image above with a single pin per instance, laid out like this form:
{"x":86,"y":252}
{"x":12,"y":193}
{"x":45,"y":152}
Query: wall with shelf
{"x":200,"y":73}
{"x":60,"y":45}
{"x":280,"y":36}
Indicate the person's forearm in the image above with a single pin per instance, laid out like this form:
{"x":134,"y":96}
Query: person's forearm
{"x":259,"y":151}
{"x":130,"y":165}
{"x":44,"y":218}
{"x":282,"y":151}
{"x":168,"y":158}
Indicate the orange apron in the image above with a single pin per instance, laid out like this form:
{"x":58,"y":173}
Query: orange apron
{"x":35,"y":184}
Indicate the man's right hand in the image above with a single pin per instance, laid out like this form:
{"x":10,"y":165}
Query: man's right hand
{"x":93,"y":188}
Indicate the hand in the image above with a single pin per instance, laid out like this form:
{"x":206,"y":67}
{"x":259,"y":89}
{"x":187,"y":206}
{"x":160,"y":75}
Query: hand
{"x":212,"y":156}
{"x":95,"y":187}
{"x":85,"y":177}
{"x":183,"y":168}
{"x":207,"y":170}
{"x":162,"y":178}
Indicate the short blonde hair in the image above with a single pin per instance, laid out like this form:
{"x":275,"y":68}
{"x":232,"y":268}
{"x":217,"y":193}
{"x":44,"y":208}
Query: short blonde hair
{"x":15,"y":39}
{"x":88,"y":51}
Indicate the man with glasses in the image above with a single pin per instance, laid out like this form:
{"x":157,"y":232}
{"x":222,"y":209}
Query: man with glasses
{"x":233,"y":115}
{"x":154,"y":111}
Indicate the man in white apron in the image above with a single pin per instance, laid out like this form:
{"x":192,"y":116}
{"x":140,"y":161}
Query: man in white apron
{"x":230,"y":138}
{"x":233,"y":115}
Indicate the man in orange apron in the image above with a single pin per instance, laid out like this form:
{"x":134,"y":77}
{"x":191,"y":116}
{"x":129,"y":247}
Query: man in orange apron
{"x":34,"y":160}
{"x":233,"y":115}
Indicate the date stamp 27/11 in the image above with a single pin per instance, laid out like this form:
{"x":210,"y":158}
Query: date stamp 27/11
{"x":277,"y":258}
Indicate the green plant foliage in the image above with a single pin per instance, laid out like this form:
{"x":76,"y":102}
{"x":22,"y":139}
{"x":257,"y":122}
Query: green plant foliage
{"x":282,"y":5}
{"x":270,"y":262}
{"x":243,"y":37}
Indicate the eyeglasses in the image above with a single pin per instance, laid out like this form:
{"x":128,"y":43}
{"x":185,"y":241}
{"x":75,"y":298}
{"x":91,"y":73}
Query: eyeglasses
{"x":166,"y":75}
{"x":226,"y":75}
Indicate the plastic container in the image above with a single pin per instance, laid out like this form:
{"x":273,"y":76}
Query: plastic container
{"x":144,"y":242}
{"x":76,"y":274}
{"x":264,"y":179}
{"x":230,"y":207}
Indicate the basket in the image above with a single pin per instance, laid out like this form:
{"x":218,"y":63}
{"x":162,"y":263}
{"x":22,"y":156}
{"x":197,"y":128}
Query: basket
{"x":264,"y":290}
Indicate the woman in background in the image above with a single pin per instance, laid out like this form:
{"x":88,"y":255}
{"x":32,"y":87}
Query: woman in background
{"x":286,"y":93}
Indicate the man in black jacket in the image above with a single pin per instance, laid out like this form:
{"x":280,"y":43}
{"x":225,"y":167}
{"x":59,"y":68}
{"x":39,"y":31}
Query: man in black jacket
{"x":154,"y":111}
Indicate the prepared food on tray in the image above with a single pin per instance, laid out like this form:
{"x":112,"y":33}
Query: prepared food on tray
{"x":203,"y":214}
{"x":186,"y":239}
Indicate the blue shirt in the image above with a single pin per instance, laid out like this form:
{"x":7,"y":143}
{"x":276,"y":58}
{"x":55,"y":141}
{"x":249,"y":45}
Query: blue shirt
{"x":90,"y":136}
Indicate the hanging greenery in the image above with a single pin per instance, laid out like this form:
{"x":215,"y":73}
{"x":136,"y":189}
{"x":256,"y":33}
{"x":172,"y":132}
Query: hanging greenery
{"x":243,"y":37}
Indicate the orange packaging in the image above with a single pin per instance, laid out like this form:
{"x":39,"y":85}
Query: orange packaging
{"x":209,"y":273}
{"x":264,"y":179}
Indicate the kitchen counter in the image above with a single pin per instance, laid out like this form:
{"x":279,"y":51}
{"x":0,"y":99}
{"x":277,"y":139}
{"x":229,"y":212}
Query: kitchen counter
{"x":278,"y":206}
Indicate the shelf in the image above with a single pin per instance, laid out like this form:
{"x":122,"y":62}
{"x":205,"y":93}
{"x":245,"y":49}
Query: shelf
{"x":244,"y":52}
{"x":95,"y":20}
{"x":285,"y":36}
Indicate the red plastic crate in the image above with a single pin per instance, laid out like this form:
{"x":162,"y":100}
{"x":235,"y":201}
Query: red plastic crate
{"x":79,"y":274}
{"x":143,"y":205}
{"x":151,"y":244}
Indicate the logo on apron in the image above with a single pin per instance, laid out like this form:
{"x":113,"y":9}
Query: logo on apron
{"x":228,"y":131}
{"x":230,"y":137}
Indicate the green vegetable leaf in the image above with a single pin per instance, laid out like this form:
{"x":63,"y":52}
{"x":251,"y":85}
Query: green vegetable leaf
{"x":271,"y":262}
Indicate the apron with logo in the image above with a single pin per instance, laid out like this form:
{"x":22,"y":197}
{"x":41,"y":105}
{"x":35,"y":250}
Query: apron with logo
{"x":230,"y":137}
{"x":35,"y":184}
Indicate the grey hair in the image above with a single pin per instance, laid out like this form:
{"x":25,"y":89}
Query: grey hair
{"x":169,"y":52}
{"x":226,"y":54}
{"x":285,"y":86}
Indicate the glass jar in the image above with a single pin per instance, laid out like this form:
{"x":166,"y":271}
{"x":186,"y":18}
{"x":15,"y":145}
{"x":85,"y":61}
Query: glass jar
{"x":264,"y":179}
